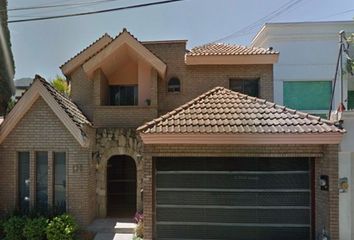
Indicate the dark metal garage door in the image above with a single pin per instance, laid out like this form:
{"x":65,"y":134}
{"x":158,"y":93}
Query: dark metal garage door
{"x":233,"y":198}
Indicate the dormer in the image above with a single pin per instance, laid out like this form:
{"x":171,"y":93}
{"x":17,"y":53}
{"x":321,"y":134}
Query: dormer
{"x":124,"y":73}
{"x":117,"y":77}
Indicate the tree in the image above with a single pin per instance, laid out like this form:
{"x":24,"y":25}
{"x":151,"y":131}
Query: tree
{"x":61,"y":85}
{"x":6,"y":60}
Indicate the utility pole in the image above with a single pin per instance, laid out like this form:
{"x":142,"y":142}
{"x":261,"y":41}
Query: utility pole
{"x":339,"y":70}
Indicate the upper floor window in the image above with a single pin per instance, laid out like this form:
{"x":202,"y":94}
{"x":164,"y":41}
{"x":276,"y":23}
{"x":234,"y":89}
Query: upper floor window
{"x":124,"y":95}
{"x":174,"y":85}
{"x":246,"y":86}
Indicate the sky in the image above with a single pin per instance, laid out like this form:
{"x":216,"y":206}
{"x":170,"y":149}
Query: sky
{"x":41,"y":47}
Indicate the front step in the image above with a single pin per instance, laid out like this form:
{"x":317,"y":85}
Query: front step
{"x":113,"y":236}
{"x":124,"y":227}
{"x":112,"y":225}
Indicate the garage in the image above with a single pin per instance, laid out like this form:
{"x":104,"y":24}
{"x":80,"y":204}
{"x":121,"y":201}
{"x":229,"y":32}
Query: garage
{"x":233,"y":198}
{"x":229,"y":166}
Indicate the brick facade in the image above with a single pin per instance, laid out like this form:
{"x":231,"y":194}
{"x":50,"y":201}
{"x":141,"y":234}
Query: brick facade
{"x":325,"y":163}
{"x":114,"y":134}
{"x":196,"y":80}
{"x":41,"y":130}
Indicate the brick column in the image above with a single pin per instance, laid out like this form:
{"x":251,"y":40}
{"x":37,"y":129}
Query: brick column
{"x":148,"y":198}
{"x":154,"y":79}
{"x":32,"y":188}
{"x":50,"y":178}
{"x":332,"y":158}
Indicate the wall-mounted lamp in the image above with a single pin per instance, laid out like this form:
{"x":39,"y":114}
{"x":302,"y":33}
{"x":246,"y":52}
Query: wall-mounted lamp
{"x":324,"y":183}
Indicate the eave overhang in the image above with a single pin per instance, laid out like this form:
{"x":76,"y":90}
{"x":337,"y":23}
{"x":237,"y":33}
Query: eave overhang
{"x":124,"y":39}
{"x":243,"y":139}
{"x":231,"y":59}
{"x":72,"y":64}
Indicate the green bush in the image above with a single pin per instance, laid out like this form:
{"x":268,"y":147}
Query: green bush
{"x":62,"y":227}
{"x":35,"y":229}
{"x":13,"y":228}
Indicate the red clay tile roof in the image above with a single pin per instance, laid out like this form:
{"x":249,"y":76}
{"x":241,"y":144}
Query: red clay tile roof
{"x":224,"y":111}
{"x":66,"y":104}
{"x":223,"y":49}
{"x":83,"y":50}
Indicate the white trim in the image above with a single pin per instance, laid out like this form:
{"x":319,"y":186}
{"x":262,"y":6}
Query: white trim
{"x":232,"y":224}
{"x":24,"y":105}
{"x":231,"y":207}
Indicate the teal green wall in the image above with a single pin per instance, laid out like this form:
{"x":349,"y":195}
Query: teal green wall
{"x":307,"y":95}
{"x":350,"y":99}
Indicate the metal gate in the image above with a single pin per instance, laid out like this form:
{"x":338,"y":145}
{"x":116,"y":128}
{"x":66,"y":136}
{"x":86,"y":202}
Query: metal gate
{"x":233,"y":198}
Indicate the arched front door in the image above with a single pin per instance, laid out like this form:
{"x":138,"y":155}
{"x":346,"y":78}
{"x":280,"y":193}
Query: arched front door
{"x":121,"y":187}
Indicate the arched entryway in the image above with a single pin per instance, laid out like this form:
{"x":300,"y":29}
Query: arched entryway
{"x":121,"y":187}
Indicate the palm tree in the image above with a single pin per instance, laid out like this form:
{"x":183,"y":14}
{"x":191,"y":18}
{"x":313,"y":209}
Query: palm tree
{"x":61,"y":85}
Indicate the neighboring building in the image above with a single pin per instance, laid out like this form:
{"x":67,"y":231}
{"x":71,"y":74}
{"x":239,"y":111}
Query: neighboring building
{"x":303,"y":79}
{"x":224,"y":165}
{"x":21,"y":85}
{"x":306,"y":67}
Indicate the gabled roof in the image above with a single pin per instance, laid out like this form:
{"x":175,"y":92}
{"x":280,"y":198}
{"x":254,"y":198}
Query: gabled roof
{"x":85,"y":54}
{"x":123,"y":38}
{"x":223,"y":49}
{"x":221,"y":111}
{"x":67,"y":111}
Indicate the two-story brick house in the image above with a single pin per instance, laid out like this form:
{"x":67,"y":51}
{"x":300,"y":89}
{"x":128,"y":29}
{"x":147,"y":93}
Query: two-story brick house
{"x":223,"y":165}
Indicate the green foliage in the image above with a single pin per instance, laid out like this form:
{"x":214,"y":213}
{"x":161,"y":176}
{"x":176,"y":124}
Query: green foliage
{"x":61,"y":85}
{"x":6,"y":74}
{"x":13,"y":228}
{"x":10,"y":105}
{"x":62,"y":227}
{"x":35,"y":229}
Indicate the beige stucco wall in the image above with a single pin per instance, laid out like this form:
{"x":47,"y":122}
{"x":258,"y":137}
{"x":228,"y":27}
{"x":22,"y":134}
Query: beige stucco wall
{"x":145,"y":82}
{"x":126,"y":73}
{"x":41,"y":130}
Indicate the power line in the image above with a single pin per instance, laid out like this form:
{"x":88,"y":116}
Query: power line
{"x":244,"y":31}
{"x":335,"y":14}
{"x":94,"y":12}
{"x":35,"y":14}
{"x":56,"y":5}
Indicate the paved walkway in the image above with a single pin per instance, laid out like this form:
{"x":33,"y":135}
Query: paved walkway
{"x":112,"y":229}
{"x":113,"y":236}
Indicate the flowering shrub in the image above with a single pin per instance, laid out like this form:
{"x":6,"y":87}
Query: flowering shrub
{"x":138,"y":217}
{"x":139,"y":229}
